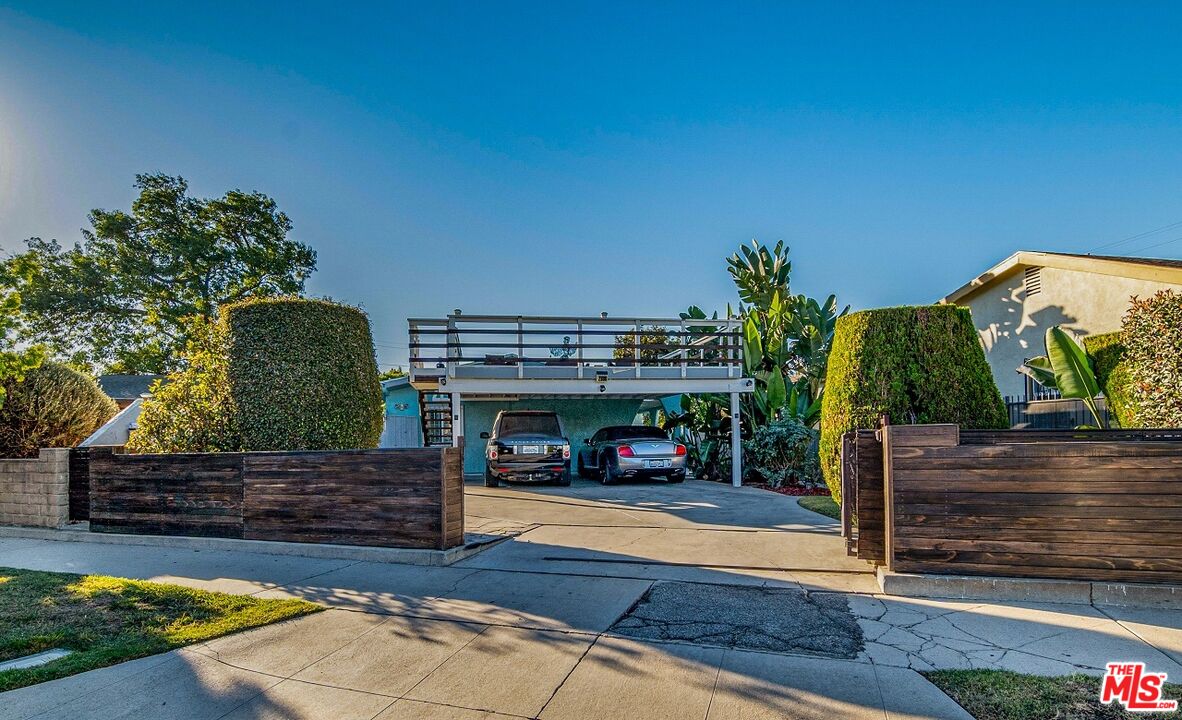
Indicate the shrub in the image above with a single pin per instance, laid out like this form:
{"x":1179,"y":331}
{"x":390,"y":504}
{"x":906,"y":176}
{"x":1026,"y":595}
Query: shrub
{"x":1152,"y":336}
{"x":783,"y":453}
{"x":1107,"y":352}
{"x":302,"y":375}
{"x":192,"y":412}
{"x":921,"y":364}
{"x":54,"y":406}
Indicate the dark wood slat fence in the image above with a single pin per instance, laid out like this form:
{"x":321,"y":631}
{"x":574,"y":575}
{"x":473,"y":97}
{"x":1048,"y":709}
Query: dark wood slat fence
{"x":1085,"y":505}
{"x":862,"y":474}
{"x":79,"y":483}
{"x":411,"y":498}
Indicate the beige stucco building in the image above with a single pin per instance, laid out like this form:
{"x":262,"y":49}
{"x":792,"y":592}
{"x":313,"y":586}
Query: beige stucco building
{"x":1014,"y":302}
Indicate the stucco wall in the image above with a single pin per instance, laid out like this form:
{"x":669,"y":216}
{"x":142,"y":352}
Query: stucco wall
{"x":580,"y":419}
{"x":1012,"y":325}
{"x":36,"y":491}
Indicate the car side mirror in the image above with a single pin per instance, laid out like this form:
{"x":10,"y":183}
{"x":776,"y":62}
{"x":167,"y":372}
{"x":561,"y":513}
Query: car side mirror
{"x":484,"y":436}
{"x":586,"y":441}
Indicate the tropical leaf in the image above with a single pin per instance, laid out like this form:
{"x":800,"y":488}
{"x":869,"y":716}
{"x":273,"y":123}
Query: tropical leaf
{"x":777,"y":393}
{"x":1073,"y":370}
{"x":1040,"y":370}
{"x":752,"y":344}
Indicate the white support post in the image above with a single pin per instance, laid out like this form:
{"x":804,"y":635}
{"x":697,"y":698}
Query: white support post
{"x":736,"y":443}
{"x":520,"y":348}
{"x":636,"y":351}
{"x":579,"y":343}
{"x":457,"y":420}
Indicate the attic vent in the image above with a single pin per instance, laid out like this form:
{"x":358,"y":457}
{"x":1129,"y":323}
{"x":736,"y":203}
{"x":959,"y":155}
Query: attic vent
{"x":1033,"y":281}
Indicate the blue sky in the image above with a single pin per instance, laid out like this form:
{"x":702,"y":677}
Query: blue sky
{"x":561,"y":158}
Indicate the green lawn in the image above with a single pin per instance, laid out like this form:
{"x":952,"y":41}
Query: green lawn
{"x":107,"y":620}
{"x":1002,"y":695}
{"x":822,"y":504}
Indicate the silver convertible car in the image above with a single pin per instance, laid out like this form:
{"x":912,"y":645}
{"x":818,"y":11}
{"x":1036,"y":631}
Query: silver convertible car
{"x":631,"y":451}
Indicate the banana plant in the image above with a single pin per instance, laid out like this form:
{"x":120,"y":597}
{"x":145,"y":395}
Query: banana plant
{"x":810,"y":329}
{"x":1067,"y":368}
{"x":760,"y":273}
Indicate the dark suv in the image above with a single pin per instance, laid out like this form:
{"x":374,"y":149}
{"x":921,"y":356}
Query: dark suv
{"x":526,"y":446}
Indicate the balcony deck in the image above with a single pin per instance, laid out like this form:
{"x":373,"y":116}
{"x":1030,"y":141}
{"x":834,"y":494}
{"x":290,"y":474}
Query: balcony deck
{"x":496,"y":354}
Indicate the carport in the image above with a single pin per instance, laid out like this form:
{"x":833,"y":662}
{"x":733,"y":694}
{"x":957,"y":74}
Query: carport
{"x":590,"y":369}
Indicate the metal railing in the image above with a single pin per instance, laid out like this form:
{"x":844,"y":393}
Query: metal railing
{"x":439,"y":346}
{"x":1053,"y":413}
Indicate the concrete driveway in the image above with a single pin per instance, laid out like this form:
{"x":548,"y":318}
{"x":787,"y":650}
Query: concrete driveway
{"x":645,"y":601}
{"x":696,"y":531}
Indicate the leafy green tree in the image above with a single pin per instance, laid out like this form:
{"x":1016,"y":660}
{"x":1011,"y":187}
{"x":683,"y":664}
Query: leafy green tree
{"x":123,"y":298}
{"x":654,"y":339}
{"x":394,"y":372}
{"x":15,"y":361}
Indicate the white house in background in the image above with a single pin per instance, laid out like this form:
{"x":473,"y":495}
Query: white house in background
{"x":1014,"y":302}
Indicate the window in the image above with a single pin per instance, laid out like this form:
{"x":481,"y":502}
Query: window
{"x":1033,"y":280}
{"x":635,"y":432}
{"x":529,"y":424}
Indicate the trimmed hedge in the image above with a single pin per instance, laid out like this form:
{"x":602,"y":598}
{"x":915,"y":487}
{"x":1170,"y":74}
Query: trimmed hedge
{"x":1107,"y":352}
{"x":1152,"y":336}
{"x":302,"y":375}
{"x":917,"y":364}
{"x":54,"y":406}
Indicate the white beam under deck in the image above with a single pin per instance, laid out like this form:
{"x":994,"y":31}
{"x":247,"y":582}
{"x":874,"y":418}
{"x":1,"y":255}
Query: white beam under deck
{"x":589,"y":387}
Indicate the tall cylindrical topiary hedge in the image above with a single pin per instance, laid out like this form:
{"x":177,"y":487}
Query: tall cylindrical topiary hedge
{"x":918,"y":364}
{"x":301,"y":375}
{"x":54,"y":406}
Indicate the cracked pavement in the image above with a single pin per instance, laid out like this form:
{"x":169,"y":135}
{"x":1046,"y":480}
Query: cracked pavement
{"x":757,"y":618}
{"x":1032,"y":638}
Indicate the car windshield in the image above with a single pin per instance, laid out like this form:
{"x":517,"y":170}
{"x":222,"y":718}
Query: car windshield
{"x":529,"y":425}
{"x":638,"y":432}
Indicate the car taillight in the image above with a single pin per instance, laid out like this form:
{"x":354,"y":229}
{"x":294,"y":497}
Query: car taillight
{"x":566,"y":452}
{"x":626,"y":451}
{"x":492,"y":453}
{"x":680,"y":450}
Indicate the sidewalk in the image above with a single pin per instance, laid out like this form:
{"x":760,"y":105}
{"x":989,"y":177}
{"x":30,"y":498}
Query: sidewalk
{"x":414,"y":642}
{"x":587,"y":615}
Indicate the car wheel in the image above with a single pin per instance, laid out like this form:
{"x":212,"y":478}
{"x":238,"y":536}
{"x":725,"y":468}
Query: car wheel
{"x":608,"y":477}
{"x":675,"y":478}
{"x":564,"y":480}
{"x":583,"y":468}
{"x":490,"y":480}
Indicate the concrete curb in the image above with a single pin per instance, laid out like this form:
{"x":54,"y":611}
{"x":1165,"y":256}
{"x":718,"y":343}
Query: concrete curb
{"x":403,"y":556}
{"x":1074,"y":592}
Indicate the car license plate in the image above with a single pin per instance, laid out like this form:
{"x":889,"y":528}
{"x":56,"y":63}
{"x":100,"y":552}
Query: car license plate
{"x":656,"y":463}
{"x":531,"y":449}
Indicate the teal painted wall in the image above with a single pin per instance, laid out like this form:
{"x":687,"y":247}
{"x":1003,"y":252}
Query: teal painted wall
{"x":580,"y":419}
{"x":403,"y":395}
